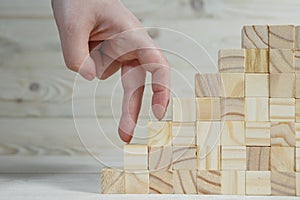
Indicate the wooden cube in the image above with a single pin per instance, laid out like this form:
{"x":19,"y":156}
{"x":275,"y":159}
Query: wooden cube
{"x":297,"y":38}
{"x":161,"y":182}
{"x":209,"y":182}
{"x":184,"y":158}
{"x":232,"y":109}
{"x":281,"y":36}
{"x":233,"y":133}
{"x":184,"y":110}
{"x":233,"y":182}
{"x":297,"y":61}
{"x":208,"y":157}
{"x":232,"y":85}
{"x":112,"y":181}
{"x":297,"y":130}
{"x":208,"y":109}
{"x":160,"y":157}
{"x":258,"y":183}
{"x":282,"y":109}
{"x":255,"y":37}
{"x":208,"y":133}
{"x":207,"y":85}
{"x":283,"y":183}
{"x":258,"y":158}
{"x":257,"y":85}
{"x":231,"y":61}
{"x":283,"y":159}
{"x":257,"y":109}
{"x":297,"y":152}
{"x":282,"y":85}
{"x":159,"y":133}
{"x":282,"y":61}
{"x":297,"y":184}
{"x":256,"y":60}
{"x":136,"y":182}
{"x":183,"y":134}
{"x":297,"y":110}
{"x":135,"y":157}
{"x":283,"y":134}
{"x":297,"y":87}
{"x":257,"y":133}
{"x":185,"y":182}
{"x":233,"y":157}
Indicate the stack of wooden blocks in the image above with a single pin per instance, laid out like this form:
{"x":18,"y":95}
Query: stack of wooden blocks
{"x":239,"y":136}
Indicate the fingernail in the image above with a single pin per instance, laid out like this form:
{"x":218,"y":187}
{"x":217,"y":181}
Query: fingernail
{"x":158,"y":111}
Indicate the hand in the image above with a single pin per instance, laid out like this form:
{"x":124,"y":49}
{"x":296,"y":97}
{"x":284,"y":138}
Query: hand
{"x":99,"y":37}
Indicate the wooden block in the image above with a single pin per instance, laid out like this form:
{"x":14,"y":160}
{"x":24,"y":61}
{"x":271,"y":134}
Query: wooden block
{"x":232,"y":109}
{"x":283,"y":134}
{"x":258,"y":158}
{"x":135,"y":157}
{"x":283,"y":159}
{"x":297,"y":184}
{"x":282,"y":85}
{"x":282,"y":61}
{"x":257,"y":109}
{"x":257,"y":85}
{"x":183,"y":134}
{"x":297,"y":130}
{"x":207,"y":85}
{"x":232,"y":85}
{"x":136,"y":182}
{"x":233,"y":133}
{"x":233,"y":157}
{"x":282,"y":109}
{"x":160,"y":157}
{"x":281,"y":36}
{"x":159,"y":133}
{"x":256,"y":60}
{"x":112,"y":181}
{"x":208,"y":109}
{"x":233,"y":182}
{"x":231,"y":61}
{"x":283,"y":183}
{"x":185,"y":182}
{"x":297,"y":161}
{"x":258,"y":183}
{"x":184,"y":110}
{"x":208,"y":133}
{"x":255,"y":37}
{"x":161,"y":182}
{"x":208,"y":157}
{"x":297,"y":61}
{"x":297,"y":87}
{"x":184,"y":158}
{"x":297,"y":38}
{"x":257,"y":133}
{"x":209,"y":182}
{"x":297,"y":110}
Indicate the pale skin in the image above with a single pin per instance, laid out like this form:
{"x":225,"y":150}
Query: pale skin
{"x":122,"y":44}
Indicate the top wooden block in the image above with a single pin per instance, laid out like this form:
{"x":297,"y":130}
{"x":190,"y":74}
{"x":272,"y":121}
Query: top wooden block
{"x":159,"y":133}
{"x":135,"y":157}
{"x":184,"y":109}
{"x":255,"y":37}
{"x":231,"y":61}
{"x":281,"y":36}
{"x":207,"y":85}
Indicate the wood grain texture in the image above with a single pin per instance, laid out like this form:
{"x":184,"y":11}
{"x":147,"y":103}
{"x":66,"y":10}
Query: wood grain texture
{"x":258,"y":183}
{"x":231,"y":61}
{"x":208,"y":109}
{"x":282,"y":61}
{"x":233,"y":133}
{"x":183,"y":134}
{"x":282,"y":85}
{"x":297,"y":136}
{"x":232,"y":109}
{"x":208,"y":133}
{"x":297,"y":86}
{"x":256,"y":61}
{"x":297,"y":161}
{"x":281,"y":36}
{"x":282,"y":109}
{"x":136,"y":182}
{"x":161,"y":182}
{"x":297,"y":38}
{"x":112,"y":181}
{"x":297,"y":61}
{"x":233,"y":182}
{"x":232,"y":85}
{"x":258,"y":158}
{"x":297,"y":184}
{"x":184,"y":158}
{"x":208,"y":157}
{"x":185,"y":182}
{"x":257,"y":85}
{"x":257,"y":109}
{"x":135,"y":157}
{"x":207,"y":85}
{"x":209,"y":182}
{"x":258,"y":133}
{"x":297,"y":110}
{"x":283,"y":159}
{"x":283,"y":134}
{"x":184,"y":110}
{"x":283,"y":183}
{"x":160,"y":157}
{"x":159,"y":133}
{"x":255,"y":37}
{"x":233,"y":157}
